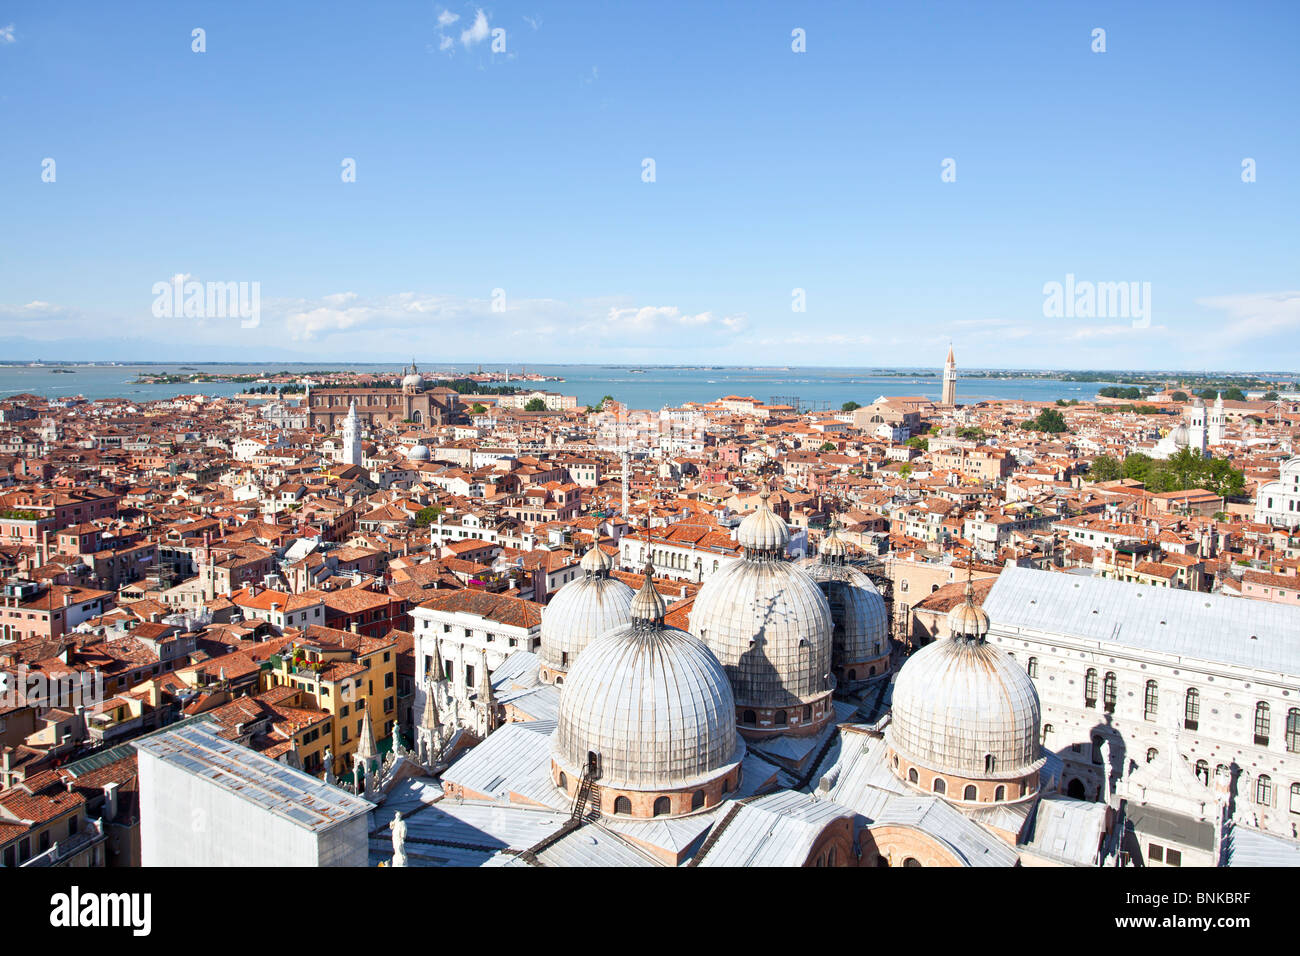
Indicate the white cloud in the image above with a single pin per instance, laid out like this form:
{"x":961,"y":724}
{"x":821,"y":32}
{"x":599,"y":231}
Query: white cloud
{"x":446,"y":18}
{"x":1256,"y":315}
{"x":446,"y":43}
{"x":7,"y":34}
{"x":476,"y":33}
{"x":534,"y":22}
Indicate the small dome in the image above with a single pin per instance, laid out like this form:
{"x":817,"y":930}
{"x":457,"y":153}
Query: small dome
{"x":648,"y":607}
{"x":653,"y":703}
{"x":596,"y":561}
{"x":966,"y":708}
{"x":833,"y":547}
{"x":763,"y":532}
{"x":858,"y":610}
{"x":579,"y":612}
{"x":418,"y":453}
{"x":1180,"y":435}
{"x":967,"y":620}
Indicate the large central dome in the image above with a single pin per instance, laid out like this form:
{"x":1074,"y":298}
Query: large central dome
{"x":861,"y":638}
{"x":770,"y":626}
{"x":652,"y":705}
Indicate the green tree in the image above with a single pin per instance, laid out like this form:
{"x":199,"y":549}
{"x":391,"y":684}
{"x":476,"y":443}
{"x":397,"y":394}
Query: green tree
{"x":1048,"y":420}
{"x":535,"y":405}
{"x":1270,"y":396}
{"x":1105,"y":468}
{"x":427,"y":516}
{"x":1233,"y":395}
{"x":1179,"y":396}
{"x":827,"y":446}
{"x":849,"y":406}
{"x":478,"y":408}
{"x":606,"y":400}
{"x":916,"y":441}
{"x":905,"y":470}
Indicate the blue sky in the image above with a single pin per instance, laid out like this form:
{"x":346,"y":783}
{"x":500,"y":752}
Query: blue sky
{"x":774,"y":171}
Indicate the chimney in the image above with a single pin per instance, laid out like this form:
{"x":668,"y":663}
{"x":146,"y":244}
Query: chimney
{"x":354,"y":627}
{"x":110,"y":802}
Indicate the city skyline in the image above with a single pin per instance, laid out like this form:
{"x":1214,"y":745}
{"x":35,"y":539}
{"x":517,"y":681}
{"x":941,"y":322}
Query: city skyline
{"x":500,"y":210}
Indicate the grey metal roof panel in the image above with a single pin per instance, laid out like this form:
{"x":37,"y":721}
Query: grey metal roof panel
{"x":1067,"y":830}
{"x":508,"y":760}
{"x":275,"y":787}
{"x":594,"y":846}
{"x":1189,"y":624}
{"x":1247,"y":847}
{"x":776,"y":830}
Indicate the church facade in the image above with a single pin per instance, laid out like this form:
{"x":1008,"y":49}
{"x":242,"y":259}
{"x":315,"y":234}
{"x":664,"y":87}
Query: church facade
{"x":413,"y":402}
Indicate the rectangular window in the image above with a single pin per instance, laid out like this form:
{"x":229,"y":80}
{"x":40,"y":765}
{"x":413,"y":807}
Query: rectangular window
{"x":1156,"y":853}
{"x":1174,"y":858}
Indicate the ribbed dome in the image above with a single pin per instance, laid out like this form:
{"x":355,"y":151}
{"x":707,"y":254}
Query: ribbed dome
{"x":654,"y":704}
{"x":648,"y":606}
{"x":770,"y":625}
{"x":580,"y":611}
{"x":763,"y":532}
{"x":833,"y":546}
{"x":967,"y":620}
{"x":857,"y":608}
{"x":418,"y":453}
{"x":595,"y":561}
{"x":958,"y":702}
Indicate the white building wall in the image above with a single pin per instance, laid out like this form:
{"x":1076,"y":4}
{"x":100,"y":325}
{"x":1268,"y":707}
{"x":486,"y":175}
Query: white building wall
{"x":186,"y":820}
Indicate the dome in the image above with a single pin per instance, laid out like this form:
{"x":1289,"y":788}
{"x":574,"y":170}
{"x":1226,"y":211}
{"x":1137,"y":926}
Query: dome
{"x":654,"y":705}
{"x":418,"y":453}
{"x":412,"y":380}
{"x":1179,"y":435}
{"x":581,"y":610}
{"x":770,"y":625}
{"x":965,"y":707}
{"x":967,"y":620}
{"x":861,"y":620}
{"x":763,"y":531}
{"x":832,"y":546}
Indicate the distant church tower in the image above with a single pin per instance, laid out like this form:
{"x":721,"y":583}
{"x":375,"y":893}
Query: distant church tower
{"x":1217,"y":420}
{"x":1196,"y":428}
{"x":352,"y":454}
{"x":949,"y":380}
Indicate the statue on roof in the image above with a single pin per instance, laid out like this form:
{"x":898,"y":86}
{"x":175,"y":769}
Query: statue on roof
{"x":399,"y":839}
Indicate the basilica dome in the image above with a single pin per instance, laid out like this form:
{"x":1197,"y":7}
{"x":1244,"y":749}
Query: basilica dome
{"x":653,"y":706}
{"x":964,"y":711}
{"x":412,"y":381}
{"x":584,"y":608}
{"x":860,"y":642}
{"x":418,"y":453}
{"x":770,"y":625}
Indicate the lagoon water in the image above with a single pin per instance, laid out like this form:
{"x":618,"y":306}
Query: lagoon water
{"x":648,"y":387}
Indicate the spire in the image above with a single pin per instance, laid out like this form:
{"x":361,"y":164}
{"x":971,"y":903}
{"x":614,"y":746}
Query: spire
{"x":367,"y":749}
{"x":437,"y":674}
{"x":648,"y":606}
{"x":429,"y":719}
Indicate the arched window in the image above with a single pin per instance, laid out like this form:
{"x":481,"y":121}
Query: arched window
{"x":1047,"y":729}
{"x":853,"y":675}
{"x":1295,"y":798}
{"x":622,"y":805}
{"x":662,"y":806}
{"x":1108,"y":692}
{"x":1033,"y":667}
{"x":1151,"y":706}
{"x":1264,"y":790}
{"x":969,"y":793}
{"x":1261,"y":723}
{"x":990,"y":763}
{"x":1203,"y":772}
{"x":1293,"y":731}
{"x":564,"y":781}
{"x":1152,"y":753}
{"x":781,"y":718}
{"x":912,"y":776}
{"x":697,"y":799}
{"x":895,"y":761}
{"x":911,"y":861}
{"x":1090,"y":688}
{"x":1096,"y":749}
{"x":832,"y":857}
{"x":940,"y":785}
{"x":807,"y":713}
{"x":749,"y":717}
{"x":1000,"y":793}
{"x":1192,"y":709}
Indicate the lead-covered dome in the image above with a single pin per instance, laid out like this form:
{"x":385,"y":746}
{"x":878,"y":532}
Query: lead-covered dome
{"x":770,"y":626}
{"x":964,"y":707}
{"x":860,"y":641}
{"x":418,"y":452}
{"x":583,"y":609}
{"x":653,"y":704}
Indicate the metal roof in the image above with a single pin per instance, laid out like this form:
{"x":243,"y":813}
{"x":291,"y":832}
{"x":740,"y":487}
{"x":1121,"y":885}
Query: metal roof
{"x":275,"y":787}
{"x":1188,"y":624}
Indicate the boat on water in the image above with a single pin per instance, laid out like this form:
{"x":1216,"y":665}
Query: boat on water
{"x":62,"y":371}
